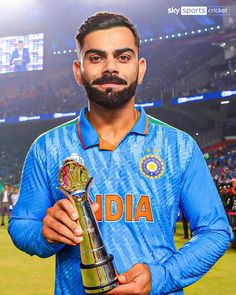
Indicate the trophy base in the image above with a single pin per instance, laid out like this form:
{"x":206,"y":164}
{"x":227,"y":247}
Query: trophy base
{"x":101,"y":289}
{"x":99,"y":277}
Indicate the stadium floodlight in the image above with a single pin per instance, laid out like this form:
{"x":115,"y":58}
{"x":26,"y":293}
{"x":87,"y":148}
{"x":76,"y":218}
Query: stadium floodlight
{"x":197,"y":133}
{"x":225,"y":102}
{"x":160,"y":38}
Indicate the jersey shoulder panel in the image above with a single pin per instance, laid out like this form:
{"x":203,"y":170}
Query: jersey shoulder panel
{"x":53,"y":137}
{"x":164,"y":127}
{"x":159,"y":123}
{"x":180,"y":143}
{"x":60,"y":128}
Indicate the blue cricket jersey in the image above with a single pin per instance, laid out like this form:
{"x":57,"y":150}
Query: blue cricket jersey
{"x":141,"y":184}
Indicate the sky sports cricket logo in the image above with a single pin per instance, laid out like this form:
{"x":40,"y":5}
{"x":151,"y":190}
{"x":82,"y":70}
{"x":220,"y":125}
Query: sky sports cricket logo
{"x":199,"y":10}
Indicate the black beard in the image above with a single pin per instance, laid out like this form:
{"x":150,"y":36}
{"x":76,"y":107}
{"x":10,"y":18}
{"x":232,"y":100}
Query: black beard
{"x":109,"y":99}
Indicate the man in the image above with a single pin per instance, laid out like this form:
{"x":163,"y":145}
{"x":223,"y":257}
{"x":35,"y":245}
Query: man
{"x":14,"y":196}
{"x":185,"y":227}
{"x":20,"y":57}
{"x":143,"y":167}
{"x":5,"y":203}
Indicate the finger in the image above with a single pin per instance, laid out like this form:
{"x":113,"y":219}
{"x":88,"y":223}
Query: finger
{"x":122,"y":279}
{"x":53,"y":237}
{"x":62,"y":217}
{"x":137,"y":280}
{"x":52,"y":226}
{"x":130,"y":275}
{"x":69,"y":207}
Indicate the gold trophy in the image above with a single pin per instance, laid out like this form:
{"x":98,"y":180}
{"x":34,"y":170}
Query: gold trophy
{"x":97,"y":268}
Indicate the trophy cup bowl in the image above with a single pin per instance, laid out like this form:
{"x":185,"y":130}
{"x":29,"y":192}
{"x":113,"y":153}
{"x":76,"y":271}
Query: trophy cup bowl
{"x":97,"y":268}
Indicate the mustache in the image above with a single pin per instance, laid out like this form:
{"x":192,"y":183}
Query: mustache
{"x":108,"y":79}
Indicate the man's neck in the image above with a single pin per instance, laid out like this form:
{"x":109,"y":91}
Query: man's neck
{"x":113,"y":125}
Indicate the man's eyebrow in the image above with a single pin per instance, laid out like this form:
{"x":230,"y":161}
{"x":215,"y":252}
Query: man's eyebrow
{"x":103,"y":53}
{"x":97,"y":51}
{"x":122,"y":50}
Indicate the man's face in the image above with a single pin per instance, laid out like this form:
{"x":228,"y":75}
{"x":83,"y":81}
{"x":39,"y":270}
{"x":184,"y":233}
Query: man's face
{"x":109,"y":69}
{"x":15,"y":190}
{"x":21,"y":45}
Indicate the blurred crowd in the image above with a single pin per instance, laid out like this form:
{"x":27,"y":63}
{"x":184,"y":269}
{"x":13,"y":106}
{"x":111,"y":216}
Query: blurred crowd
{"x":55,"y":89}
{"x":223,"y":77}
{"x":10,"y":165}
{"x":46,"y":95}
{"x":222,"y":164}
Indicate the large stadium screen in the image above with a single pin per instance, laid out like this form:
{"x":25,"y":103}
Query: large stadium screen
{"x":21,"y":53}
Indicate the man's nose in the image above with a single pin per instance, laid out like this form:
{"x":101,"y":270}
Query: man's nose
{"x":110,"y":66}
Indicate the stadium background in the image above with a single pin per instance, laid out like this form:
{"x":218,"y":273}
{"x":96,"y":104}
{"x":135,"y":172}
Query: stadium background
{"x":190,"y":83}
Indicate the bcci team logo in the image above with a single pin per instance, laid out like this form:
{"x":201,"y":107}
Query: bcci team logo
{"x":152,"y":166}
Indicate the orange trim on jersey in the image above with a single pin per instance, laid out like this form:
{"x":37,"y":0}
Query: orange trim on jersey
{"x":105,"y":145}
{"x":80,"y":137}
{"x":85,"y":129}
{"x":146,"y":127}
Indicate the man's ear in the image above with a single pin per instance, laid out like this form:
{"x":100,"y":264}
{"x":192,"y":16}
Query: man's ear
{"x":142,"y":69}
{"x":77,"y":72}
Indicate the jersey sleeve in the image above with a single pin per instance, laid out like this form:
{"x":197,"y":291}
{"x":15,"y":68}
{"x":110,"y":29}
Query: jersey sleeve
{"x":203,"y":208}
{"x":25,"y":226}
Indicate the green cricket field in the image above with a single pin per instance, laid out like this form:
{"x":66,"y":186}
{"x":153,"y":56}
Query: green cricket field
{"x":22,"y":274}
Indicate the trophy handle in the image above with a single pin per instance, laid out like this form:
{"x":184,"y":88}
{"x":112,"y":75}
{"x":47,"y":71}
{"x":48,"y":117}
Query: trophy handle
{"x":88,"y":185}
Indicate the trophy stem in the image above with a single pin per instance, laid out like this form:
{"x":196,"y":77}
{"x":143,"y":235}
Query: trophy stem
{"x":97,"y":268}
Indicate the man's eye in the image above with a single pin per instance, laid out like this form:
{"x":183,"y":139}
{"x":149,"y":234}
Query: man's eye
{"x":95,"y":59}
{"x":124,"y":58}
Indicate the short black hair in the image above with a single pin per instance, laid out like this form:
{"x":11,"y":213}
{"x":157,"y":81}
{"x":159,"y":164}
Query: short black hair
{"x":103,"y":21}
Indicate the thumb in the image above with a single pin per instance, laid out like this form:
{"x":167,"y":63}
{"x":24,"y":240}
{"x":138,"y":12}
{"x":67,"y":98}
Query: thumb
{"x":129,"y":276}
